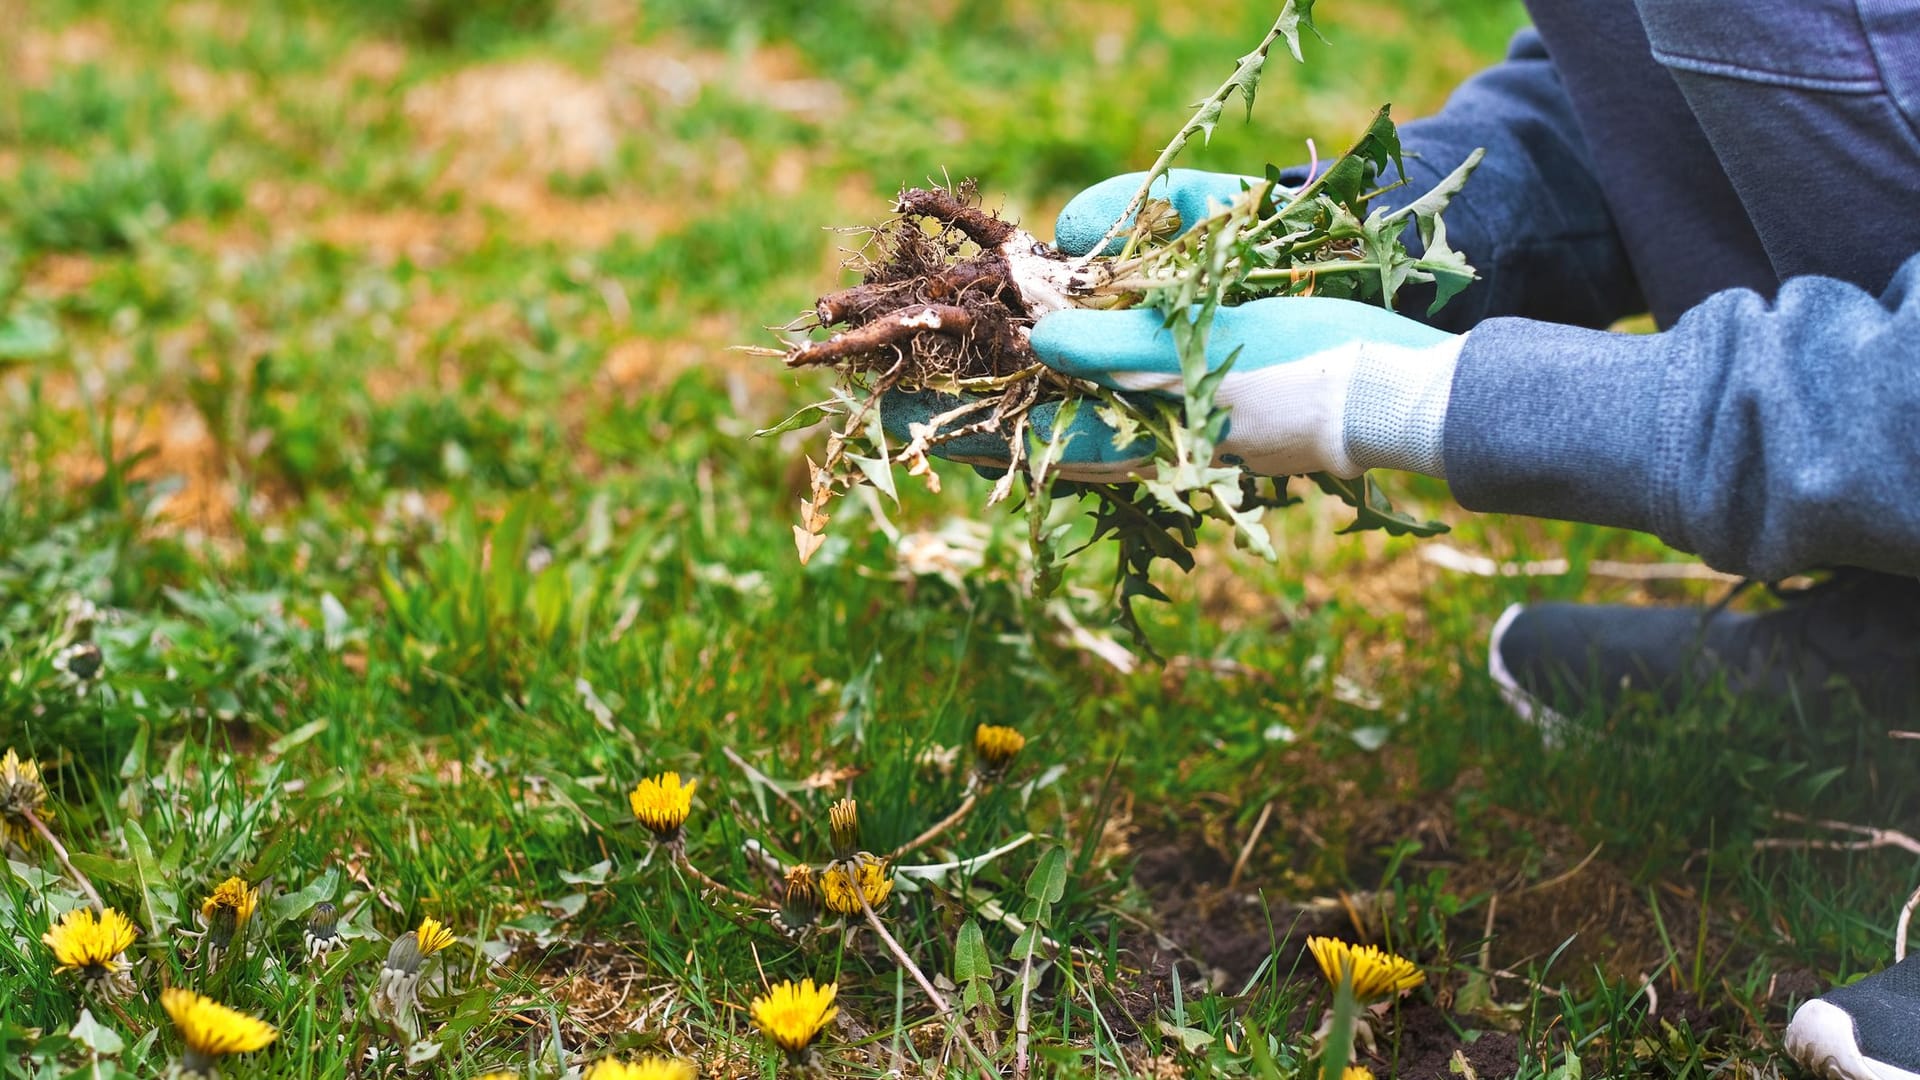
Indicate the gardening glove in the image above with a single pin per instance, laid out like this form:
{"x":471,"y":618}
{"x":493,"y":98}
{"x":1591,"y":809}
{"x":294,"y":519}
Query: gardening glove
{"x":1088,"y":215}
{"x":1317,"y":385}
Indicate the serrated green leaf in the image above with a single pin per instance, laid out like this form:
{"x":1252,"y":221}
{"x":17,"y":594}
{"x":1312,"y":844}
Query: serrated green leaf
{"x":1426,"y":209}
{"x":1296,"y":14}
{"x":1347,"y":180}
{"x":879,"y":473}
{"x":295,"y":904}
{"x":1373,"y":509}
{"x":805,"y":418}
{"x":1207,"y":119}
{"x":1448,"y":268}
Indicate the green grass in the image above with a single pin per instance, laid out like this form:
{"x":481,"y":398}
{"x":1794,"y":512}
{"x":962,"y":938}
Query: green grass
{"x":403,"y":482}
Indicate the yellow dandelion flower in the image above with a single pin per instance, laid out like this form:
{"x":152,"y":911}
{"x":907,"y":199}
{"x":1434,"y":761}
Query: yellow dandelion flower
{"x":91,"y":944}
{"x":794,"y":1014}
{"x":226,"y":912}
{"x":211,"y":1030}
{"x":845,"y":882}
{"x":433,"y":936}
{"x":1356,"y":1072}
{"x":997,"y":746}
{"x":662,"y":804}
{"x":232,"y":895}
{"x":499,"y":1076}
{"x":1373,"y":974}
{"x":22,"y":792}
{"x":647,"y":1068}
{"x":843,"y":825}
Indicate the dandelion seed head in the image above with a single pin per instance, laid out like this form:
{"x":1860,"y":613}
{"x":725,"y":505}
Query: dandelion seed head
{"x":661,"y":803}
{"x":794,"y":1014}
{"x":1372,"y":973}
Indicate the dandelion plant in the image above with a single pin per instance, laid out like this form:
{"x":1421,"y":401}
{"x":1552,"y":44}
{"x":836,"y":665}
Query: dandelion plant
{"x":950,"y":292}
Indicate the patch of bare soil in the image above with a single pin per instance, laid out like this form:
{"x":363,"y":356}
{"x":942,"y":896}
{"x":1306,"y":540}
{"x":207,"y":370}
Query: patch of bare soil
{"x":36,"y":55}
{"x":1425,"y":1040}
{"x":1540,"y":888}
{"x":526,"y":116}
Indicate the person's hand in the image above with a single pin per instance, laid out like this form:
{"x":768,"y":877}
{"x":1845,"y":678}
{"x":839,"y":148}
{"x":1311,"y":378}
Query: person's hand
{"x":1088,"y":215}
{"x":1317,"y":385}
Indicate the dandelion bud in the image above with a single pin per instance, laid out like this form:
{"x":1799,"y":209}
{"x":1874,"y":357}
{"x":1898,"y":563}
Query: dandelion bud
{"x":799,"y":897}
{"x":323,"y":930}
{"x":227,"y":911}
{"x":82,"y":660}
{"x":221,"y":927}
{"x":996,"y":747}
{"x":404,"y":956}
{"x":843,"y":820}
{"x":661,"y":804}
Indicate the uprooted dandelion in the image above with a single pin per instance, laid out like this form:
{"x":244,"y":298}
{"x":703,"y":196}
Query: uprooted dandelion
{"x":949,"y":294}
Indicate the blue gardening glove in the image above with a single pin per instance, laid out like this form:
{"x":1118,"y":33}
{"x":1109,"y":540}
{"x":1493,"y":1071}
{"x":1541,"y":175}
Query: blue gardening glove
{"x":1086,"y":218}
{"x":1317,"y":385}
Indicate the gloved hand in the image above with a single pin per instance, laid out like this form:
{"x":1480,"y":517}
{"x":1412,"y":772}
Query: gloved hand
{"x":1087,"y":216}
{"x":1318,"y":385}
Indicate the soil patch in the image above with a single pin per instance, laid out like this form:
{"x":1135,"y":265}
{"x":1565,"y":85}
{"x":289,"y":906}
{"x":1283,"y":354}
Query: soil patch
{"x":1427,"y":1042}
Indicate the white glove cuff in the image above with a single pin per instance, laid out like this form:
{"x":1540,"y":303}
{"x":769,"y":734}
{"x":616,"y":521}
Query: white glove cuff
{"x":1396,"y":408}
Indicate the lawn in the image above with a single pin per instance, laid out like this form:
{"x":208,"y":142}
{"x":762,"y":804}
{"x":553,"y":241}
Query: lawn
{"x":379,"y":508}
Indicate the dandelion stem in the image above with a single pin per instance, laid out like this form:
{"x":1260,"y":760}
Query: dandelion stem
{"x":926,"y":987}
{"x":60,"y":851}
{"x":959,"y":814}
{"x":121,"y":1012}
{"x":1195,"y":125}
{"x":699,"y":875}
{"x":1023,"y":1013}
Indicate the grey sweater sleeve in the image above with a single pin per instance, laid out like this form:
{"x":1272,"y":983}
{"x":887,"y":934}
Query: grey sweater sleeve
{"x":1532,"y":220}
{"x":1767,"y":438}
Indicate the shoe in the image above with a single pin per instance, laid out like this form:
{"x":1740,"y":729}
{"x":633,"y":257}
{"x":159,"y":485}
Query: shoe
{"x":1855,"y":636}
{"x":1867,"y":1031}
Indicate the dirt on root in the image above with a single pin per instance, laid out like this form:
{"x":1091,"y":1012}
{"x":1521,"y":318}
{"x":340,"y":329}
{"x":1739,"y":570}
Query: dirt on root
{"x":936,"y":298}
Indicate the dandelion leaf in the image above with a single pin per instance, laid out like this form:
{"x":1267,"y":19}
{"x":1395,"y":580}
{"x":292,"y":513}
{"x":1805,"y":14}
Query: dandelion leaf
{"x":1297,"y":14}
